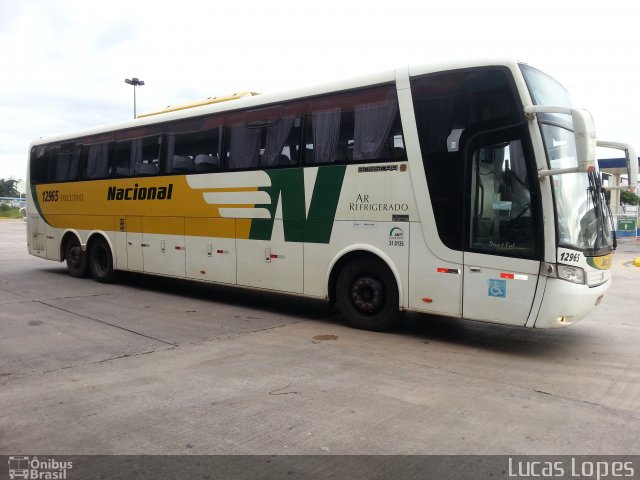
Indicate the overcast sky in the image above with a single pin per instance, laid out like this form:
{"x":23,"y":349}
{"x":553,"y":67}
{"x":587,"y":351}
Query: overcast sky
{"x":64,"y":61}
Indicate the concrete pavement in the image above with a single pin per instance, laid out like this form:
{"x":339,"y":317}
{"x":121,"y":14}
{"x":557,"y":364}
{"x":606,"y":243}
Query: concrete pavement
{"x":157,"y":366}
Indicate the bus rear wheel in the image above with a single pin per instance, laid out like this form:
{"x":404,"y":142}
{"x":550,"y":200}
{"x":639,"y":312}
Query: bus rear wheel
{"x":101,"y":261}
{"x":367,"y":294}
{"x":75,"y":258}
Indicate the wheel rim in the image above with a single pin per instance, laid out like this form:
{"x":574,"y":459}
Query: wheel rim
{"x":367,"y":294}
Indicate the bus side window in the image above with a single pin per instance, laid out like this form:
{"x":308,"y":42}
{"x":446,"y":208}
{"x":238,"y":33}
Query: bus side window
{"x":351,"y":127}
{"x":280,"y":145}
{"x":138,"y":157}
{"x":67,"y":163}
{"x":322,"y":134}
{"x":243,"y":147}
{"x":266,"y":137}
{"x":193,"y":152}
{"x":55,"y":163}
{"x":373,"y":124}
{"x":95,"y":161}
{"x":39,"y":165}
{"x":147,"y":155}
{"x":124,"y":160}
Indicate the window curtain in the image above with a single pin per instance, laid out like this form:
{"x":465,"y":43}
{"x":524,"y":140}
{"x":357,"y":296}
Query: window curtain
{"x":372,"y":126}
{"x":136,"y":156}
{"x":277,"y":136}
{"x":244,"y":148}
{"x":63,"y":159}
{"x":171,"y":144}
{"x":74,"y":165}
{"x":97,"y":164}
{"x":326,"y":131}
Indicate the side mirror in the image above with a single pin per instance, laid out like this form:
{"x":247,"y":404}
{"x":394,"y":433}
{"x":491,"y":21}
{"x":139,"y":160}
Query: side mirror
{"x":585,"y":134}
{"x":632,"y":163}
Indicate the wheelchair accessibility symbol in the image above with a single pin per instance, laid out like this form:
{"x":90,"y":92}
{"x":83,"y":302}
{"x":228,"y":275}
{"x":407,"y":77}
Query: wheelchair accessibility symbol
{"x":497,"y":288}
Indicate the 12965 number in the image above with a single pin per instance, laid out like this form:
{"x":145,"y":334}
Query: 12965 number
{"x":50,"y":196}
{"x":569,"y":257}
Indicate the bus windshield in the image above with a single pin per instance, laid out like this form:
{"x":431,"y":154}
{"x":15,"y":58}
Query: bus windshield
{"x":582,"y":217}
{"x":581,"y":212}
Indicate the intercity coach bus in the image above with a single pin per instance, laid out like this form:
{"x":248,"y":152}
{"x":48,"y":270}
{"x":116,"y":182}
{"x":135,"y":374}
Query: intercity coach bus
{"x":464,"y":190}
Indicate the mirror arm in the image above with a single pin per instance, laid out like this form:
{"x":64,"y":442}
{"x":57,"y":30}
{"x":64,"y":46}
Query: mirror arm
{"x":556,"y":171}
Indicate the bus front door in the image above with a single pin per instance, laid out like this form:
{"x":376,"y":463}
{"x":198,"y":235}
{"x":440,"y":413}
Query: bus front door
{"x":500,"y":273}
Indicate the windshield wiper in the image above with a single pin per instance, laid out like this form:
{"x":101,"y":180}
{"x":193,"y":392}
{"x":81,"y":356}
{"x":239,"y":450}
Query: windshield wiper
{"x":601,"y":208}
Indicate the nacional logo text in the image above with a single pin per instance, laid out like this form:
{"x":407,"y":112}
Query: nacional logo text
{"x":140,"y":193}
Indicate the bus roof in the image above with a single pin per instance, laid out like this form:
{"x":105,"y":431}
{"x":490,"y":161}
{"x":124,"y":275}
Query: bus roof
{"x":245,"y":100}
{"x":200,"y":103}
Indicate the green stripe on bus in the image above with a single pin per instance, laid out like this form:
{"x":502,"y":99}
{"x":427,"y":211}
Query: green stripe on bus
{"x":287,"y":188}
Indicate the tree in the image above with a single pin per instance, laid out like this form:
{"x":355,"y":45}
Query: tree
{"x":8,"y":188}
{"x":629,"y":198}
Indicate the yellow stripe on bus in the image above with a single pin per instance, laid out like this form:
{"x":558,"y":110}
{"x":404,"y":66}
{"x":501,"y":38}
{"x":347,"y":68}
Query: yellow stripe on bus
{"x":100,"y":205}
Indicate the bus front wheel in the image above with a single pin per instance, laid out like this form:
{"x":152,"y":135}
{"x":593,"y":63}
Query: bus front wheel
{"x":76,"y":259}
{"x":367,"y":294}
{"x":101,"y":261}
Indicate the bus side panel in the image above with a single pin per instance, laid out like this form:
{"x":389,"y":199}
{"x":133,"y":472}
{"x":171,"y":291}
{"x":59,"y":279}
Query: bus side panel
{"x":372,"y":214}
{"x":163,"y":246}
{"x":435,"y":285}
{"x":53,"y":243}
{"x":134,"y":244}
{"x":392,"y":238}
{"x":272,"y":264}
{"x":210,"y":257}
{"x":36,"y":236}
{"x":120,"y":244}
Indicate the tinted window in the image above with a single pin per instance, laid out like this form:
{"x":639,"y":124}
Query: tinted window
{"x":55,"y":163}
{"x":95,"y":160}
{"x":354,"y":127}
{"x":40,"y":161}
{"x":264,"y":138}
{"x":67,"y":163}
{"x":194,"y":152}
{"x":451,"y":108}
{"x":138,"y":157}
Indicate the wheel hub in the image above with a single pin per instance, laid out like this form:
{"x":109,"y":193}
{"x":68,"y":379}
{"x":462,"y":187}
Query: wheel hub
{"x":367,"y":294}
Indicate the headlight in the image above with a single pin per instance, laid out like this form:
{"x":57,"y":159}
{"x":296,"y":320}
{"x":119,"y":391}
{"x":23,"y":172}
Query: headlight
{"x":571,"y":274}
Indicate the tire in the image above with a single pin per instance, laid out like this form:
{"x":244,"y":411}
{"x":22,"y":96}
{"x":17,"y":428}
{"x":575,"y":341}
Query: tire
{"x":101,"y":261}
{"x":76,"y":259}
{"x":367,"y":294}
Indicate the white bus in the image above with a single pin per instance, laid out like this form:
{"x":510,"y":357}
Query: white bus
{"x":466,"y":190}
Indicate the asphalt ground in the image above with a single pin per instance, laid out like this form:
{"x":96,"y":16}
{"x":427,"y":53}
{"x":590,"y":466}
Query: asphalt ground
{"x":151,"y":365}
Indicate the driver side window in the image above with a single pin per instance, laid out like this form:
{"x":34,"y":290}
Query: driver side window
{"x":501,"y":219}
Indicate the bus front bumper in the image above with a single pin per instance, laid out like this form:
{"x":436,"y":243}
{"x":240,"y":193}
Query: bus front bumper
{"x":564,"y":303}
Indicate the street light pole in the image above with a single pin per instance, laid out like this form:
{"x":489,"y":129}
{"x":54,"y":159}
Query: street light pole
{"x":136,"y":82}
